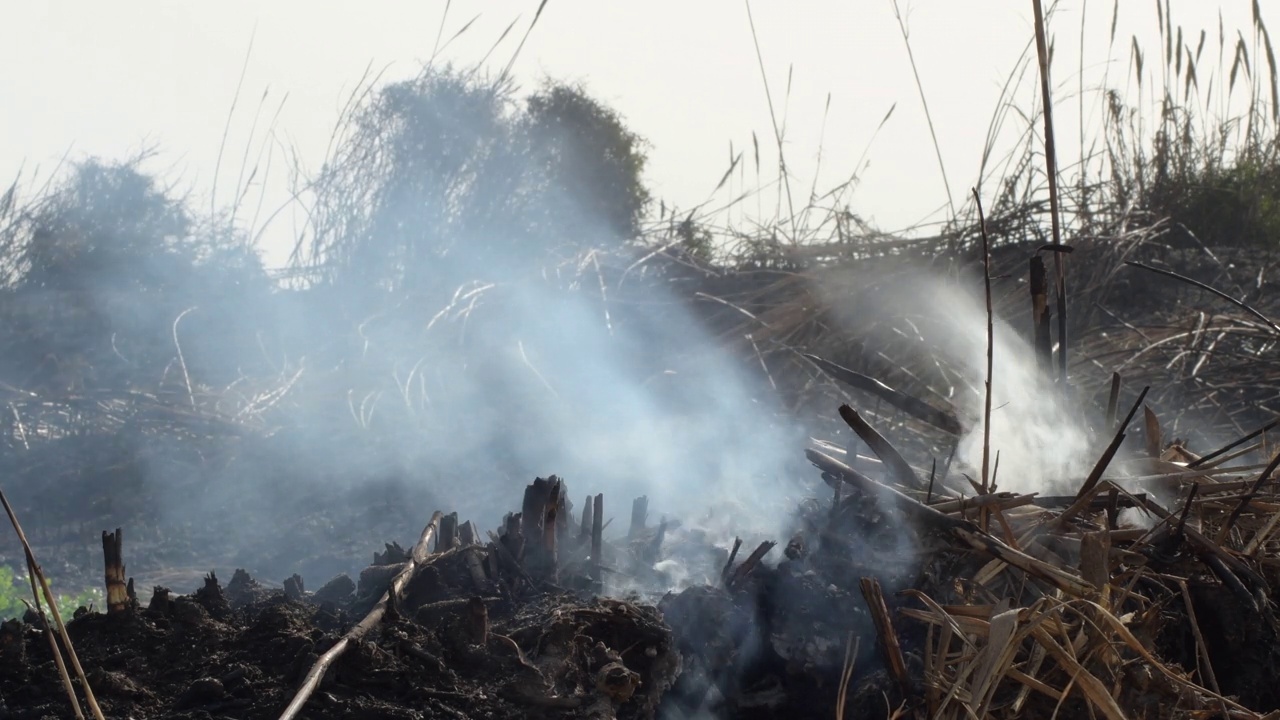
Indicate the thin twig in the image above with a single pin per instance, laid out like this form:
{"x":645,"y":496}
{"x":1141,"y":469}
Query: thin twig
{"x":924,"y":102}
{"x":773,"y":117}
{"x":506,"y":71}
{"x":182,"y":360}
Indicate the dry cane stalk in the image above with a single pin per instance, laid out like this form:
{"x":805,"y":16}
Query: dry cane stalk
{"x":1113,"y":400}
{"x":846,"y":674}
{"x":897,"y":465}
{"x":889,"y":643}
{"x":1051,"y":160}
{"x":986,"y":411}
{"x":312,"y":681}
{"x":38,"y":574}
{"x":53,"y":646}
{"x":1042,"y":329}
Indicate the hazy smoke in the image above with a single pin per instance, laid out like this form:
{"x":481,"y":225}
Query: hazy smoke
{"x":476,"y":337}
{"x":1038,"y":435}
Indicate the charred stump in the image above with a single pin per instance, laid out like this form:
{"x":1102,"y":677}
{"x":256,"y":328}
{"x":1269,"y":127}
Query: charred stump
{"x":639,"y":514}
{"x":113,"y":560}
{"x":597,"y":544}
{"x":448,"y":532}
{"x":539,"y":527}
{"x":588,"y":522}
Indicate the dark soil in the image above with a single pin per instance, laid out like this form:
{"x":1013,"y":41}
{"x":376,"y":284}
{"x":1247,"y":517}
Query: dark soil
{"x":242,"y":652}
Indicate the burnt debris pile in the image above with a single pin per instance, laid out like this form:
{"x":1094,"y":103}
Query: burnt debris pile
{"x":1145,"y":593}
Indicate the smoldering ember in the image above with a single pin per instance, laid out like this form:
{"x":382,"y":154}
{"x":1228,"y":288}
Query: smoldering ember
{"x":510,"y":438}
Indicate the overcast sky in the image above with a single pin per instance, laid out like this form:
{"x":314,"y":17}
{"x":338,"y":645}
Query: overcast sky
{"x":106,"y":79}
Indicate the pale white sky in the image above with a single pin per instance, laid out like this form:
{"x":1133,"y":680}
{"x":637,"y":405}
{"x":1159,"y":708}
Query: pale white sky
{"x":107,"y":78}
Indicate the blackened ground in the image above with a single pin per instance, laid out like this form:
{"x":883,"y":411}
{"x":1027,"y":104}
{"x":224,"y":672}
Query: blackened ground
{"x":1241,"y":645}
{"x":241,"y":653}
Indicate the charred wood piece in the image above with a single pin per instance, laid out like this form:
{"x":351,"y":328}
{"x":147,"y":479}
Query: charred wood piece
{"x":653,"y":548}
{"x":467,"y":534}
{"x":748,"y":565}
{"x":294,"y":589}
{"x":393,"y":555}
{"x":337,"y":591}
{"x":728,"y":565}
{"x":474,"y":557}
{"x":538,"y":526}
{"x":161,"y":602}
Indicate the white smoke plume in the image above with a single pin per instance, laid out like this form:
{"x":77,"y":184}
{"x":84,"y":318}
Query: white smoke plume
{"x":1042,"y":444}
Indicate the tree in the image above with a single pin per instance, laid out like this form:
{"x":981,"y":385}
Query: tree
{"x":589,"y":156}
{"x":445,"y":178}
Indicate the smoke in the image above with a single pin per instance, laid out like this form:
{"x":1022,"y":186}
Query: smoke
{"x":467,"y":332}
{"x":1041,"y":442}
